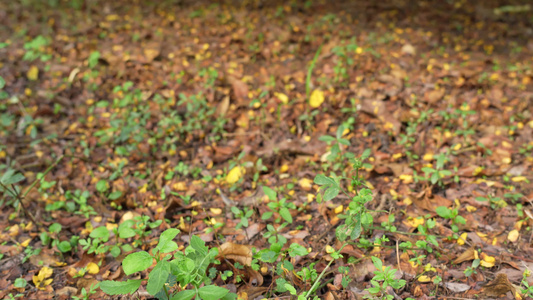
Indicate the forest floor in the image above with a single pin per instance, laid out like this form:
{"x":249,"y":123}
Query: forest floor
{"x":330,"y":149}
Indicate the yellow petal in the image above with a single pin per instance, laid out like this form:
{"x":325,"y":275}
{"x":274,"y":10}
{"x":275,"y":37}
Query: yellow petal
{"x":33,"y":73}
{"x":305,"y":183}
{"x":414,"y":222}
{"x":317,"y":98}
{"x":487,"y":261}
{"x":424,"y":278}
{"x":519,"y":179}
{"x":235,"y":174}
{"x":513,"y":235}
{"x":462,"y":239}
{"x":282,"y":97}
{"x":216,"y":211}
{"x":93,"y":268}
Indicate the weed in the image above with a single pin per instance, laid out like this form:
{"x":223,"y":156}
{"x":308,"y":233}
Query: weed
{"x":383,"y":278}
{"x":187,"y":269}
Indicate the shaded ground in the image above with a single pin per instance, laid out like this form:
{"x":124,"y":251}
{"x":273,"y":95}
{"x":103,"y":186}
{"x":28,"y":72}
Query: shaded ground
{"x":183,"y":112}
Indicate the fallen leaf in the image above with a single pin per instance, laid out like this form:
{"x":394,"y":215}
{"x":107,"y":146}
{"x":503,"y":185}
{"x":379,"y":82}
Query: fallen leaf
{"x":317,"y":98}
{"x":499,"y":286}
{"x":33,"y":73}
{"x":408,"y":49}
{"x":235,"y":174}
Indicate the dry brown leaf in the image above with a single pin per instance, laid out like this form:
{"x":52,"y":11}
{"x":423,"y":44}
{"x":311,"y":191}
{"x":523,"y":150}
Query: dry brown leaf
{"x":499,"y":286}
{"x":469,"y":254}
{"x":240,"y":89}
{"x":222,"y":107}
{"x":237,"y":252}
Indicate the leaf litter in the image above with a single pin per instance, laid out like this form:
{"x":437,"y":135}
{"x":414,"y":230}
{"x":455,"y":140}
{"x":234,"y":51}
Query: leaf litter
{"x":122,"y":120}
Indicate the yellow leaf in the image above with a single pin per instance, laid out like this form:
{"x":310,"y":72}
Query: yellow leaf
{"x":180,"y":186}
{"x":513,"y":235}
{"x":216,"y":211}
{"x":143,"y":188}
{"x":282,"y":97}
{"x":519,"y":178}
{"x":462,"y":239}
{"x":40,"y":280}
{"x":406,"y":178}
{"x":93,"y":268}
{"x":235,"y":174}
{"x":25,"y":243}
{"x":428,"y":157}
{"x":487,"y":261}
{"x":317,"y":98}
{"x":414,"y":222}
{"x":306,"y":183}
{"x":33,"y":73}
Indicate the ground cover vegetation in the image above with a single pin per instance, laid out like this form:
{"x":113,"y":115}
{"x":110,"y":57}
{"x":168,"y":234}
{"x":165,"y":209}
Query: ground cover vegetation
{"x":266,"y":149}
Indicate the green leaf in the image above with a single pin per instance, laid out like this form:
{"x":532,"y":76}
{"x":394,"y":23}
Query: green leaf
{"x":166,"y":244}
{"x":344,"y":142}
{"x":434,"y":178}
{"x":184,"y":295}
{"x":93,"y":59}
{"x":101,"y":233}
{"x":460,"y":220}
{"x":136,"y":262}
{"x":428,"y":170}
{"x":2,"y":82}
{"x":339,"y":132}
{"x":267,"y":215}
{"x":366,"y":154}
{"x":290,"y":288}
{"x":64,"y":246}
{"x":10,"y":177}
{"x":211,"y":292}
{"x":158,"y":276}
{"x":199,"y":245}
{"x":55,"y":228}
{"x":270,"y":193}
{"x":296,"y":249}
{"x":378,"y":264}
{"x":285,"y":214}
{"x":326,"y":138}
{"x":120,"y":288}
{"x":102,"y":186}
{"x":331,"y":193}
{"x":324,"y":180}
{"x":481,"y":199}
{"x":443,"y":212}
{"x":125,"y":229}
{"x":115,"y":195}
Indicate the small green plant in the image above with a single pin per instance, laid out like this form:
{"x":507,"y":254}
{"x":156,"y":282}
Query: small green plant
{"x":527,"y":289}
{"x":383,"y":278}
{"x":35,"y":49}
{"x":453,"y":215}
{"x":86,"y":295}
{"x":280,"y":206}
{"x":469,"y":271}
{"x":243,"y":215}
{"x":189,"y":269}
{"x":438,"y":174}
{"x":50,"y":238}
{"x":3,"y":94}
{"x":495,"y":202}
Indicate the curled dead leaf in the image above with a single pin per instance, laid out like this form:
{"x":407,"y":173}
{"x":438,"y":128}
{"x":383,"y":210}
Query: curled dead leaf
{"x":499,"y":286}
{"x":240,"y":253}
